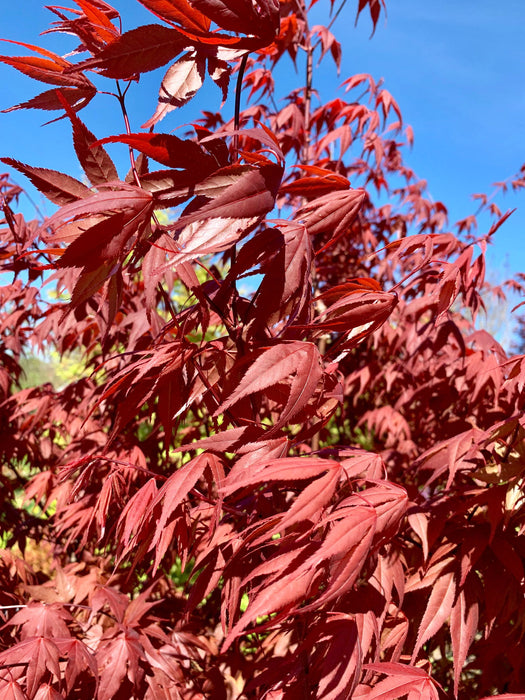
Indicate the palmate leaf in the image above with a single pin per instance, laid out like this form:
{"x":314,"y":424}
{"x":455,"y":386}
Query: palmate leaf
{"x":355,"y":309}
{"x":79,"y":659}
{"x":285,"y":256}
{"x":286,"y":592}
{"x":237,"y":197}
{"x":311,"y":502}
{"x":374,"y":7}
{"x":103,"y":242}
{"x":343,"y":552}
{"x":99,"y":20}
{"x":138,"y":51}
{"x":345,"y":549}
{"x":76,"y":97}
{"x":133,"y":200}
{"x":174,"y":492}
{"x":317,"y":181}
{"x":276,"y":364}
{"x":331,"y":214}
{"x":39,"y":620}
{"x":41,"y":655}
{"x":336,"y":659}
{"x":11,"y":690}
{"x":118,"y":658}
{"x":265,"y":469}
{"x":463,"y":626}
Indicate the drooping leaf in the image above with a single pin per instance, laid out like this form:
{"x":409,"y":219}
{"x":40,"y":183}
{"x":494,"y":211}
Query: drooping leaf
{"x":173,"y":493}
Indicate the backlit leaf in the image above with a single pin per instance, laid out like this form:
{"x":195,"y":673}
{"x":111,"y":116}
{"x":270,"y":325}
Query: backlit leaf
{"x":181,"y":82}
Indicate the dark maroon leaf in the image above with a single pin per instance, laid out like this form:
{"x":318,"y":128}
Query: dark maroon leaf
{"x":138,"y":51}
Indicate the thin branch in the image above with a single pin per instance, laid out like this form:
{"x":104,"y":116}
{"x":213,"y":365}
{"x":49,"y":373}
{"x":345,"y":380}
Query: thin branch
{"x":237,"y":116}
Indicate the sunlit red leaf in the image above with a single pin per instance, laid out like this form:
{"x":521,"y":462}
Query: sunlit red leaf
{"x":336,"y":658}
{"x":118,"y":658}
{"x":127,"y":198}
{"x":402,"y":680}
{"x":180,"y":11}
{"x":318,"y":181}
{"x":52,"y":69}
{"x":38,"y":620}
{"x":41,"y":656}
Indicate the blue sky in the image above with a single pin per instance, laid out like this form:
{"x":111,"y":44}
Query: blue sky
{"x":454,"y":67}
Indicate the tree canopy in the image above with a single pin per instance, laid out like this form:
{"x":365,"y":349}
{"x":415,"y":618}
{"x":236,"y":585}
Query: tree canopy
{"x":290,"y":465}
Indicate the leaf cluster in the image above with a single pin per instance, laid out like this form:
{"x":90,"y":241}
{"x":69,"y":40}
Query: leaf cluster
{"x":290,"y":466}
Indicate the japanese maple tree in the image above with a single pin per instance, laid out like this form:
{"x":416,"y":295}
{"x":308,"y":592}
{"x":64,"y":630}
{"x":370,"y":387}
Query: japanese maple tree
{"x":290,"y":466}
